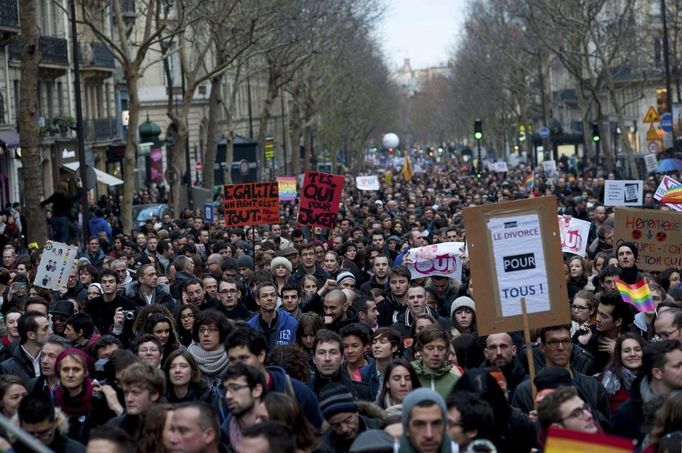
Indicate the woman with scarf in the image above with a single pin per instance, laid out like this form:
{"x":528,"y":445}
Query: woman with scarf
{"x":207,"y":348}
{"x":623,"y":368}
{"x":75,"y":391}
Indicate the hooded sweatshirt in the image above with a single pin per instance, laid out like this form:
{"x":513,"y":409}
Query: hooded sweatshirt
{"x":441,"y":380}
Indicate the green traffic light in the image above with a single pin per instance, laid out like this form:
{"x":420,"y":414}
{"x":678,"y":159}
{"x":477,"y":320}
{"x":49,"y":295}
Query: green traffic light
{"x":478,"y":135}
{"x":596,"y":138}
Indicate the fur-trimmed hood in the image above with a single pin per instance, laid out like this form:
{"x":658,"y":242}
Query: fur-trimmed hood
{"x":62,"y":425}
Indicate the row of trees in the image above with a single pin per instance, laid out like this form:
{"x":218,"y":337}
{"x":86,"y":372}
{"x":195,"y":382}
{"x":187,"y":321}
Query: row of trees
{"x":516,"y":56}
{"x":320,"y":52}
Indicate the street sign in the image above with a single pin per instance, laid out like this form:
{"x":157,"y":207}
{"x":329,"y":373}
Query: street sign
{"x":544,"y":133}
{"x":652,"y":133}
{"x":667,"y":122}
{"x":208,"y":212}
{"x":651,"y":116}
{"x":653,"y":147}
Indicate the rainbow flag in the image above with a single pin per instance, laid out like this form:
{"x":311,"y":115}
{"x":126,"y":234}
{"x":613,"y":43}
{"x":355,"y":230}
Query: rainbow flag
{"x":566,"y":441}
{"x":528,"y":183}
{"x":673,"y":195}
{"x":638,"y":294}
{"x":287,"y":188}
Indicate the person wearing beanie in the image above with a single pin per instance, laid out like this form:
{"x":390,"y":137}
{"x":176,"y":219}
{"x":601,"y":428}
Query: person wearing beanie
{"x":424,"y":419}
{"x":340,"y":409}
{"x":373,"y":440}
{"x":627,"y":254}
{"x":345,"y":279}
{"x":245,"y":266}
{"x":280,"y":268}
{"x":463,"y":316}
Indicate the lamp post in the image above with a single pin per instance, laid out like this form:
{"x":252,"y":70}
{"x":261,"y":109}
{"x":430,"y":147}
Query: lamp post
{"x":78,"y":128}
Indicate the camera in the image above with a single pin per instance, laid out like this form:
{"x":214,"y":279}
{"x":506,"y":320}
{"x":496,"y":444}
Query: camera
{"x":129,"y":314}
{"x":105,"y":374}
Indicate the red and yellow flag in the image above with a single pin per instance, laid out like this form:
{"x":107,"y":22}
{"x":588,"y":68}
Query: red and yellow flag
{"x":565,"y":441}
{"x":407,"y":171}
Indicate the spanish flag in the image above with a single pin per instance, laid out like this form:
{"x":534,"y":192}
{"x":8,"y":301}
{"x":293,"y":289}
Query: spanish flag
{"x":565,"y":441}
{"x":407,"y":170}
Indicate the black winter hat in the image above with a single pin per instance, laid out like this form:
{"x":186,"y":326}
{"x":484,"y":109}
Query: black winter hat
{"x":335,"y":399}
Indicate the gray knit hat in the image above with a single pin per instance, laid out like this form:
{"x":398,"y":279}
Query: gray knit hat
{"x":280,"y":260}
{"x":335,"y":399}
{"x":462,"y":301}
{"x":244,"y":261}
{"x":418,"y":396}
{"x":372,"y":440}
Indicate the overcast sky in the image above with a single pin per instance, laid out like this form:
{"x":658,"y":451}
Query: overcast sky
{"x":421,"y":30}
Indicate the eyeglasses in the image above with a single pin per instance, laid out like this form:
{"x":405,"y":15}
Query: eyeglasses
{"x":234,"y":388}
{"x":579,"y":413}
{"x":186,"y":317}
{"x":666,"y":335}
{"x":579,"y":308}
{"x":227,"y":291}
{"x":203,"y":330}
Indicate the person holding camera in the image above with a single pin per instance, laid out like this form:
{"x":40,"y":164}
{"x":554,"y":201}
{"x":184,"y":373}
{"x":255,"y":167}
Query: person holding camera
{"x":104,"y":310}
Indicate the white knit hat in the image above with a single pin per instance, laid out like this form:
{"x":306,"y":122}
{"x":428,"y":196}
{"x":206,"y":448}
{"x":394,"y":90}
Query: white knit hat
{"x":462,"y":301}
{"x":280,"y":260}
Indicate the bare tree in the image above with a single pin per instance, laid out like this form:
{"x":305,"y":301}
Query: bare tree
{"x":28,"y":134}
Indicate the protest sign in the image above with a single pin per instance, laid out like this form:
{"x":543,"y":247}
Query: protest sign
{"x":255,"y":203}
{"x":657,"y":235}
{"x":574,"y":234}
{"x":438,"y":259}
{"x":55,"y":265}
{"x":666,"y":184}
{"x":320,"y":199}
{"x":367,"y":182}
{"x":287,"y":188}
{"x":549,"y":166}
{"x":515,"y":253}
{"x":650,"y":162}
{"x":623,"y":193}
{"x":500,"y":167}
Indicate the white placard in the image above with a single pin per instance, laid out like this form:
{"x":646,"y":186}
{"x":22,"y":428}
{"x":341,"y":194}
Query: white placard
{"x":520,"y":263}
{"x":574,"y":233}
{"x":443,"y":259}
{"x":650,"y":162}
{"x":623,"y":193}
{"x":367,"y":182}
{"x":500,"y":167}
{"x":666,"y":184}
{"x":55,"y":265}
{"x":549,"y":166}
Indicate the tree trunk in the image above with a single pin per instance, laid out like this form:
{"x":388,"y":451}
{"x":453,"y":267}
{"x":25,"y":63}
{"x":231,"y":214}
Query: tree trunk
{"x":30,"y":157}
{"x":179,"y":160}
{"x":295,"y":137}
{"x":212,"y":131}
{"x":131,"y":76}
{"x":308,"y":148}
{"x":263,"y":127}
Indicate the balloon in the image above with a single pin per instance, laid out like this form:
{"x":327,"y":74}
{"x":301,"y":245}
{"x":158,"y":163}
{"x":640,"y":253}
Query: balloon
{"x":391,"y":140}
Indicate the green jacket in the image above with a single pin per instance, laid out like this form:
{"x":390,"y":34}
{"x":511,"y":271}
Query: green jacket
{"x":406,"y":445}
{"x":441,"y":380}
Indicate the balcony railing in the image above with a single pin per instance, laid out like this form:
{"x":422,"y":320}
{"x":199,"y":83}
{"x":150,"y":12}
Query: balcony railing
{"x":100,"y":129}
{"x":9,"y":13}
{"x":52,"y":50}
{"x":95,"y":54}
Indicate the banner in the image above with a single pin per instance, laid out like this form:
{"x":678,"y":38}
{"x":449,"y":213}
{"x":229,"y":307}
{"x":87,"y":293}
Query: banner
{"x":438,"y":259}
{"x":623,"y":193}
{"x":519,"y":263}
{"x":549,"y":166}
{"x":254,"y":203}
{"x":567,"y":441}
{"x":657,"y":234}
{"x":574,"y":234}
{"x":287,"y":188}
{"x":666,"y":184}
{"x":500,"y":167}
{"x":367,"y":182}
{"x":55,"y":265}
{"x":320,"y":199}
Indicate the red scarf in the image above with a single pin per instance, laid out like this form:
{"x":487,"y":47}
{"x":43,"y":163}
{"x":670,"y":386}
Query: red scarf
{"x":75,"y":406}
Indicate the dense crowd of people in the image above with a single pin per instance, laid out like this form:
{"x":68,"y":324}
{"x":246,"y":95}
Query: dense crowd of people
{"x":184,"y":336}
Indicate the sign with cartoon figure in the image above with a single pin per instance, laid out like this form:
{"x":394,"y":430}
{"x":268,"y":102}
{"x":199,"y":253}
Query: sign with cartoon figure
{"x":55,"y":266}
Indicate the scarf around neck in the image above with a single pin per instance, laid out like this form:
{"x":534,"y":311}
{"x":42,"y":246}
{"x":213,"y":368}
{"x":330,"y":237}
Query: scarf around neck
{"x":211,"y":363}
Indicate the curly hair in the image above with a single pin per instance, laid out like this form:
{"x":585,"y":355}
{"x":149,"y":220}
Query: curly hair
{"x":145,"y":312}
{"x":293,"y":359}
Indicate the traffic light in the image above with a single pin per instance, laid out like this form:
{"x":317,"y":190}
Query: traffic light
{"x":595,"y":132}
{"x":478,"y":129}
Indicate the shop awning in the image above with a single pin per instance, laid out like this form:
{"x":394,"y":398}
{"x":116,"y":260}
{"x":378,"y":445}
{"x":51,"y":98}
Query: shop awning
{"x":9,"y":138}
{"x":103,"y":177}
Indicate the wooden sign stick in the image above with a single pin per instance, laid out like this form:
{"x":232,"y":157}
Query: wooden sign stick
{"x":529,"y":348}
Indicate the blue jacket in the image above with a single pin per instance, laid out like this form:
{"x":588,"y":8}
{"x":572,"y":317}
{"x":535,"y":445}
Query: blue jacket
{"x":283,"y":332}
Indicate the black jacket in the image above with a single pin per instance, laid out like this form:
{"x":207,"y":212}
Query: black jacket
{"x":102,"y":313}
{"x":514,"y":374}
{"x":628,"y":421}
{"x":19,"y":365}
{"x":161,"y":296}
{"x":360,"y":390}
{"x":331,"y":443}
